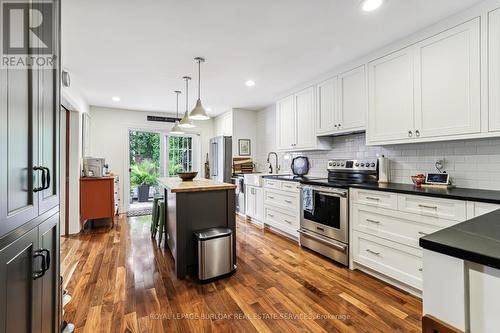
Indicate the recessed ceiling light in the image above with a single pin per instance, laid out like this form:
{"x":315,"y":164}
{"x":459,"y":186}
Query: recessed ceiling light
{"x":116,"y":98}
{"x":250,"y":83}
{"x":371,"y":5}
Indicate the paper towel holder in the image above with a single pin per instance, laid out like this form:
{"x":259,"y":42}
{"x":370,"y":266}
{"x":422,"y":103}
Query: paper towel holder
{"x":383,"y":169}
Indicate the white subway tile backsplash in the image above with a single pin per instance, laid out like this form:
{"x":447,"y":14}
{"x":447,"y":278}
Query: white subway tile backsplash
{"x":471,"y":163}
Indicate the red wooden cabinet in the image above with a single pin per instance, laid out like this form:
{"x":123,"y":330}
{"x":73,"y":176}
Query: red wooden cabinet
{"x":97,"y":199}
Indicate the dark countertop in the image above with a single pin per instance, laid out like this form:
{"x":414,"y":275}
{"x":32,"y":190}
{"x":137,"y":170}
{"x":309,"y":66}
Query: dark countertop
{"x":476,"y":240}
{"x":457,"y":193}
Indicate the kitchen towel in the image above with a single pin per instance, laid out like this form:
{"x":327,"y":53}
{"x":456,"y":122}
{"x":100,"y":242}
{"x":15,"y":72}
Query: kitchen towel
{"x":308,"y":200}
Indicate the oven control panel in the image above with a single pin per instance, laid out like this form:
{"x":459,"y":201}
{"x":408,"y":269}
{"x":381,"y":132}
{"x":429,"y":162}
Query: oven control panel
{"x":368,"y":164}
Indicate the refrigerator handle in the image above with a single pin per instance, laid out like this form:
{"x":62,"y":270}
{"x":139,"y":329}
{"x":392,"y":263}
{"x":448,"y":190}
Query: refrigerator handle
{"x":215,"y":160}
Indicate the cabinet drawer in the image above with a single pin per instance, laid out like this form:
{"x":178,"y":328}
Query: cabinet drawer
{"x":375,"y":198}
{"x":400,"y":227}
{"x":442,"y":208}
{"x":290,"y":186}
{"x":282,"y":199}
{"x":397,"y":261}
{"x":279,"y":220}
{"x":268,"y":183}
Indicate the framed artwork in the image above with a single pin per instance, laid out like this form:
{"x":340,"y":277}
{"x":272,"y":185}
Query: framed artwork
{"x":244,"y":147}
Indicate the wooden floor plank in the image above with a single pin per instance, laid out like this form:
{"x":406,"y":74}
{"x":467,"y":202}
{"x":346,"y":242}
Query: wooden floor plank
{"x":122,"y":281}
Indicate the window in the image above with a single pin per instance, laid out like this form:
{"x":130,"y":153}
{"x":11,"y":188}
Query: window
{"x":180,"y":154}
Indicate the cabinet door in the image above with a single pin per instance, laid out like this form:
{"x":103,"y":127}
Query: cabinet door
{"x":259,"y":203}
{"x":285,"y":123}
{"x":250,"y":202}
{"x":448,"y":82}
{"x":391,"y":109}
{"x":306,"y":131}
{"x":327,"y":97}
{"x":352,"y":100}
{"x":18,"y":149}
{"x":19,"y":295}
{"x":48,"y":120}
{"x":48,"y":238}
{"x":494,"y":70}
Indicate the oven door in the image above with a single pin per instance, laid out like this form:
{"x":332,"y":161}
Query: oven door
{"x":328,"y":215}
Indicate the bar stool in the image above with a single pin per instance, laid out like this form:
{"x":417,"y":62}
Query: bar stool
{"x":162,"y":227}
{"x":155,"y":217}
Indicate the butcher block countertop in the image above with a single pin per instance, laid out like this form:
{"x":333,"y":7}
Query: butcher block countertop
{"x":176,"y":185}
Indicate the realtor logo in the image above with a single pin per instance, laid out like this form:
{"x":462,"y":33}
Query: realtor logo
{"x":27,"y":34}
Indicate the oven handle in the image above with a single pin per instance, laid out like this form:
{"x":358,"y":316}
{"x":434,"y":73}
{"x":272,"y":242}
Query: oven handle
{"x":332,"y":194}
{"x":342,"y":247}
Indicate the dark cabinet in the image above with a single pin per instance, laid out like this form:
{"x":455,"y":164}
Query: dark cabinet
{"x":29,"y":201}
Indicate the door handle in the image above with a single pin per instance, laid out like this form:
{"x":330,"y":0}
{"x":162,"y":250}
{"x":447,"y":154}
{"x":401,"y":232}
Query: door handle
{"x":47,"y":178}
{"x":45,"y":266}
{"x":410,"y":134}
{"x":42,"y":169}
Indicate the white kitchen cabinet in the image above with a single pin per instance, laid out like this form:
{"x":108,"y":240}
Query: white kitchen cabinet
{"x":342,"y":103}
{"x":448,"y":82}
{"x":428,"y":90}
{"x":305,"y":124}
{"x":282,"y":206}
{"x":352,"y":100}
{"x":494,"y":70}
{"x":391,"y":97}
{"x":327,"y":106}
{"x":254,"y":203}
{"x":296,"y":123}
{"x":286,"y":123}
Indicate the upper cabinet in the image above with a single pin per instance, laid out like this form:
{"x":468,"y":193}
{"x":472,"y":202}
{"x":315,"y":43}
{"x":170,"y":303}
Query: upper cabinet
{"x":494,"y":70}
{"x":428,"y":90}
{"x":342,"y":103}
{"x":295,"y":122}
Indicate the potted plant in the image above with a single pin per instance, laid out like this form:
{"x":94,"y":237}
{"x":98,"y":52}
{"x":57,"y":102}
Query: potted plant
{"x":143,"y":175}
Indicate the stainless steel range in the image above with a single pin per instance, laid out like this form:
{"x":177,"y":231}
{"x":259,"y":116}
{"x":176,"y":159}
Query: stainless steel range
{"x":324,"y":222}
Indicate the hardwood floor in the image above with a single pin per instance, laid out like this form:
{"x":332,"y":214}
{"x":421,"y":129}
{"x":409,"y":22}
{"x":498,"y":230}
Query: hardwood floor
{"x":121,"y":281}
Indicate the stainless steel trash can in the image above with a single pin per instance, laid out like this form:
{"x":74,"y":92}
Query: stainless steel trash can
{"x":215,"y":253}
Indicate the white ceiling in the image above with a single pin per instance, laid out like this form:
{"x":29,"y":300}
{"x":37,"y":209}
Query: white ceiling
{"x":139,"y":50}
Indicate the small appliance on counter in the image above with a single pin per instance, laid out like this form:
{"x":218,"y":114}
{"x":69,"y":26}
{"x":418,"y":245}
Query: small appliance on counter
{"x":300,"y":166}
{"x":94,"y":167}
{"x":433,"y":180}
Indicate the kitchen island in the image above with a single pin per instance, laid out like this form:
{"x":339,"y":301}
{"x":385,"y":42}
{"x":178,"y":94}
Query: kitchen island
{"x":192,"y":206}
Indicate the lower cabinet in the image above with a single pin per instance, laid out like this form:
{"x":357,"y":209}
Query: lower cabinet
{"x":254,"y":206}
{"x":385,"y":229}
{"x":29,"y":281}
{"x":282,"y":206}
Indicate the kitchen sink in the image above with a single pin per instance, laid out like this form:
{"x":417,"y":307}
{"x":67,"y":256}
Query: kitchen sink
{"x":255,"y":179}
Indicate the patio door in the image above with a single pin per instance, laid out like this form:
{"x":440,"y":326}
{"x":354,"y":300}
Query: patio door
{"x":144,"y":170}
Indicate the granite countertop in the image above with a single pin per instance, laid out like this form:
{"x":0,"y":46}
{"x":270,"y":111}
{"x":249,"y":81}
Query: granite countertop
{"x":476,"y":240}
{"x":457,"y":193}
{"x":176,"y":185}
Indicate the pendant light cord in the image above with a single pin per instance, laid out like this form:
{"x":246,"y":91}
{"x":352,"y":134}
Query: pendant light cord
{"x":177,"y":105}
{"x":187,"y":100}
{"x":199,"y":77}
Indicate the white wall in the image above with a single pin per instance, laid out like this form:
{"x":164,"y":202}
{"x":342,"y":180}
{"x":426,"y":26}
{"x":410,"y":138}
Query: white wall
{"x":471,"y":163}
{"x":244,"y":127}
{"x":109,"y":132}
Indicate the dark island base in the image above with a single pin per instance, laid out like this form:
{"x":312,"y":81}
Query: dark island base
{"x":188,"y":212}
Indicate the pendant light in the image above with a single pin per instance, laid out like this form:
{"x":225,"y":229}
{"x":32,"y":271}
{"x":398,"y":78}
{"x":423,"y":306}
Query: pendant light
{"x":185,"y":121}
{"x":176,"y":129}
{"x":199,"y":113}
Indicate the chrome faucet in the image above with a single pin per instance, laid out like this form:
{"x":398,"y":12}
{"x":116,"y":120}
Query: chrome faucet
{"x":277,"y":167}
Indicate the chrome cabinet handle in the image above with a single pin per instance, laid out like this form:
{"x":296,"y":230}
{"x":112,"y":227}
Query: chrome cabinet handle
{"x":288,"y":201}
{"x":270,"y":215}
{"x":373,"y":198}
{"x":410,"y":134}
{"x":289,"y":222}
{"x":427,"y":206}
{"x":420,"y":269}
{"x":270,"y":197}
{"x":340,"y":125}
{"x":335,"y":125}
{"x":372,"y":221}
{"x":373,"y":252}
{"x":417,"y":133}
{"x":422,"y":233}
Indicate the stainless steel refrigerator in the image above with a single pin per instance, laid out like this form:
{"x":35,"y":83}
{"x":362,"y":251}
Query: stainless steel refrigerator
{"x":220,"y":158}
